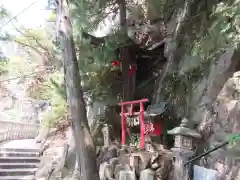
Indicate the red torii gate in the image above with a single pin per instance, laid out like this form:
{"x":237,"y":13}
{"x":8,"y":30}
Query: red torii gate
{"x":131,"y":112}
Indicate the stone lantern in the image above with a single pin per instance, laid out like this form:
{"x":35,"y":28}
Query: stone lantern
{"x":183,"y":149}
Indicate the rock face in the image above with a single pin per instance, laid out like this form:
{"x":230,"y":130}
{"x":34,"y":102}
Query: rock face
{"x":148,"y":174}
{"x":215,"y":99}
{"x":53,"y":161}
{"x":222,"y":121}
{"x":207,"y":90}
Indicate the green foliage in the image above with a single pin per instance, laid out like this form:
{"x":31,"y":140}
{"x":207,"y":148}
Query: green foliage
{"x":3,"y":59}
{"x":19,"y":65}
{"x":39,"y":53}
{"x":89,"y":14}
{"x":134,"y":140}
{"x":3,"y":12}
{"x":58,"y":112}
{"x":220,"y":33}
{"x":178,"y":87}
{"x":95,"y":67}
{"x":3,"y":64}
{"x":37,"y":43}
{"x":52,"y":17}
{"x":54,"y":90}
{"x":233,"y":140}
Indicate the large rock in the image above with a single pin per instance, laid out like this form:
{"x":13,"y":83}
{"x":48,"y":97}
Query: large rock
{"x":52,"y":163}
{"x":126,"y":175}
{"x":107,"y":153}
{"x":102,"y":171}
{"x":224,"y":123}
{"x":109,"y":171}
{"x":207,"y":91}
{"x":148,"y":174}
{"x":119,"y":168}
{"x":114,"y":162}
{"x":106,"y":171}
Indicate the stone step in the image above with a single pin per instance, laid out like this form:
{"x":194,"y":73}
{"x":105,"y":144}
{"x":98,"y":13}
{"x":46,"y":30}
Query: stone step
{"x":30,"y":177}
{"x":19,"y":159}
{"x":18,"y":154}
{"x":17,"y":172}
{"x":18,"y":165}
{"x":18,"y":150}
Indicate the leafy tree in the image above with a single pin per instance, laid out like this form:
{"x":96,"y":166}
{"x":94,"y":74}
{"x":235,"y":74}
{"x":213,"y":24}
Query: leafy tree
{"x":3,"y":58}
{"x":97,"y":59}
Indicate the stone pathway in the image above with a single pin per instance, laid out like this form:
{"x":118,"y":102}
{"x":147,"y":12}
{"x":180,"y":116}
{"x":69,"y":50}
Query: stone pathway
{"x":22,"y":144}
{"x":19,"y":159}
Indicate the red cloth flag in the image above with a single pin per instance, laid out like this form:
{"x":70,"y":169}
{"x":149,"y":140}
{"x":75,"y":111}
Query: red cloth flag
{"x":132,"y":70}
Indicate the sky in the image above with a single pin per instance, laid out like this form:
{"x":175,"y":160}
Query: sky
{"x":33,"y":17}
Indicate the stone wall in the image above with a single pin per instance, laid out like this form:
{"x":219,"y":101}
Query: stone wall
{"x":16,"y":130}
{"x":132,"y":164}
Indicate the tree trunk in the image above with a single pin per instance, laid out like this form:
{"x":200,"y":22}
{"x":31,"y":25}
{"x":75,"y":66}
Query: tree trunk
{"x":124,"y":54}
{"x":76,"y":105}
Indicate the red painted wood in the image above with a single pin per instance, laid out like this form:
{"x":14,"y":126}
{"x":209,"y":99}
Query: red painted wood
{"x":157,"y":128}
{"x":123,"y":127}
{"x":131,"y":112}
{"x":142,"y":140}
{"x":134,"y":102}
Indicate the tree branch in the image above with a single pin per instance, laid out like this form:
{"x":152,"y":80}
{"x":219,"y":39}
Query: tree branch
{"x":46,"y":51}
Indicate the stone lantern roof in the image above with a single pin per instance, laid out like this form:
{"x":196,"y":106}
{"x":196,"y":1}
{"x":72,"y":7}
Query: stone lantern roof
{"x":183,"y":130}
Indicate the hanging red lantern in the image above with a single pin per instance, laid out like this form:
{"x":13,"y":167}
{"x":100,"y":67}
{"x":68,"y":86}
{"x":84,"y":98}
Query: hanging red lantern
{"x":116,"y":64}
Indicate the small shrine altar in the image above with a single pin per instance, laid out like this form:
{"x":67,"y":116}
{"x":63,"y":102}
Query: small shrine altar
{"x":143,"y":119}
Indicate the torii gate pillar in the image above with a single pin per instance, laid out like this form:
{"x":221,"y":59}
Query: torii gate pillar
{"x":131,"y":112}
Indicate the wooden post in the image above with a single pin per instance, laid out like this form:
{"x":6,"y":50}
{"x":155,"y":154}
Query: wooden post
{"x":123,"y":126}
{"x":142,"y":141}
{"x":142,"y":144}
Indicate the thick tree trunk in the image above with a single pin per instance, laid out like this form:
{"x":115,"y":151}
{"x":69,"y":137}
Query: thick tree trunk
{"x":76,"y":106}
{"x":124,"y":54}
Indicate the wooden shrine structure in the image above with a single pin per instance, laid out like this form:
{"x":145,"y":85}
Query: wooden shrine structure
{"x":130,"y":118}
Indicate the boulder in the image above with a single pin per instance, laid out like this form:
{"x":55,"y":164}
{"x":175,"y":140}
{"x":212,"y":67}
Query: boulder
{"x":119,"y":168}
{"x":224,"y":121}
{"x":126,"y":175}
{"x":102,"y":171}
{"x":114,"y":162}
{"x":108,"y":172}
{"x":148,"y":174}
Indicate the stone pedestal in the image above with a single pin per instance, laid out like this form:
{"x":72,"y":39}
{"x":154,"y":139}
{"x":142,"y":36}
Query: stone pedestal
{"x":183,"y":149}
{"x":182,"y":172}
